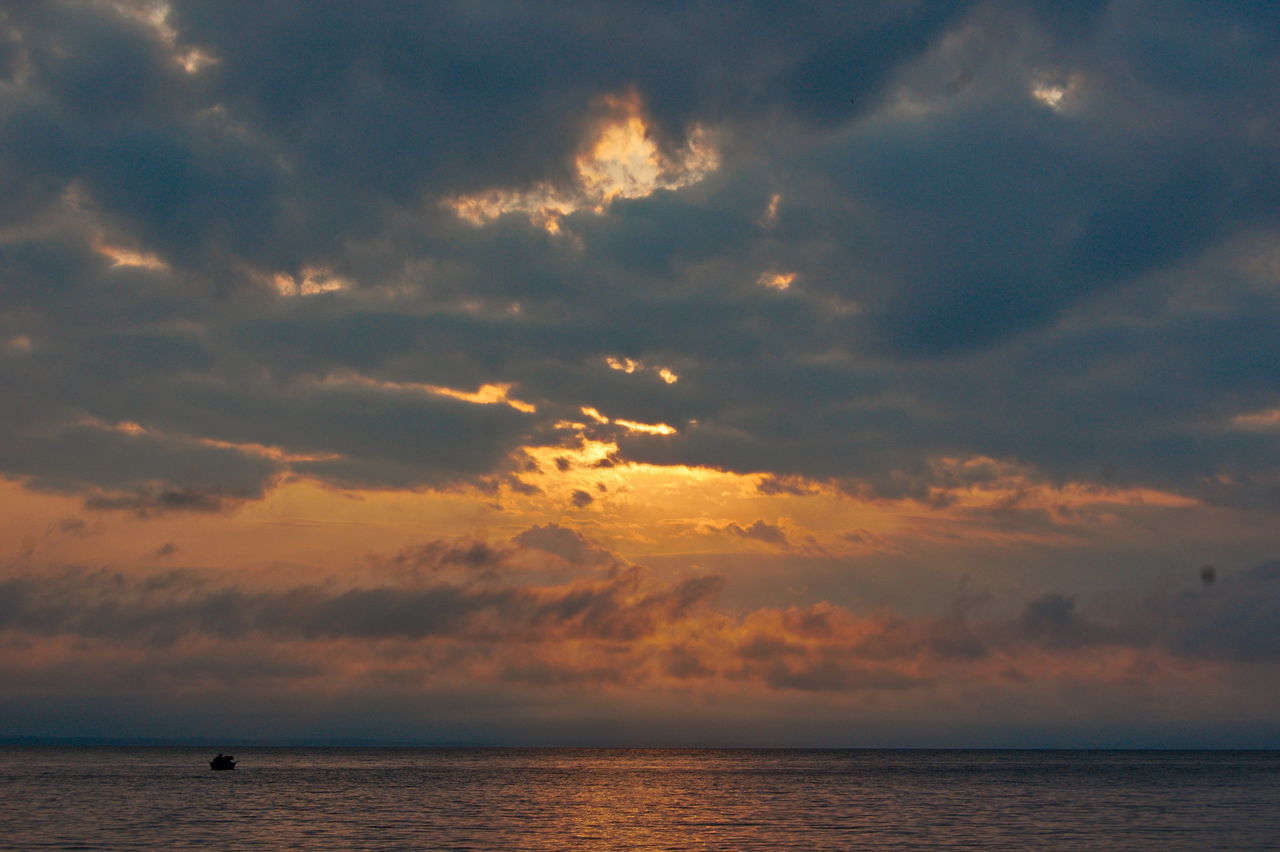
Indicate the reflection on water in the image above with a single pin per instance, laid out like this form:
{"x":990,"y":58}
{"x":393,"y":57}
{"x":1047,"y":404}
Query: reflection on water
{"x":543,"y":799}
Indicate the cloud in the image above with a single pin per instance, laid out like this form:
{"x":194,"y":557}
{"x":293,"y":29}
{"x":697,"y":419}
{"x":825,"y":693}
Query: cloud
{"x":471,"y":619}
{"x":794,"y":485}
{"x":996,"y":292}
{"x":242,"y":166}
{"x":71,"y":527}
{"x":1228,"y":620}
{"x":161,"y":500}
{"x":163,"y":607}
{"x":761,"y":531}
{"x":568,"y":544}
{"x":469,"y":602}
{"x":125,"y":470}
{"x":1051,"y":619}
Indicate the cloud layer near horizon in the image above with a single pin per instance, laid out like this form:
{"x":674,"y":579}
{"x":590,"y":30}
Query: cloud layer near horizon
{"x":551,"y":612}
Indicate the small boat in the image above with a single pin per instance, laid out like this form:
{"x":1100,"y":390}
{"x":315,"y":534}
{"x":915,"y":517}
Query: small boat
{"x":223,"y":761}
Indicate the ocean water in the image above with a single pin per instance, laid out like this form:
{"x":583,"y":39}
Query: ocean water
{"x":685,"y":799}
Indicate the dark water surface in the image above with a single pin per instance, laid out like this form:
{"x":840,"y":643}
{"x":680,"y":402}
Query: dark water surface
{"x":536,"y":799}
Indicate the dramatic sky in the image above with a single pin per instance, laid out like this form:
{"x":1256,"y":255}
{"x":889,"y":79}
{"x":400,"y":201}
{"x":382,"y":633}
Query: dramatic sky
{"x":878,"y":373}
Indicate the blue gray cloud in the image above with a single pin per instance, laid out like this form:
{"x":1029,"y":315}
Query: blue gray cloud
{"x":1016,"y":231}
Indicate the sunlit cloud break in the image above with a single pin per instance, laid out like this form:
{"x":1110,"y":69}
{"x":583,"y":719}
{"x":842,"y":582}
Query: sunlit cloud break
{"x":622,"y":161}
{"x":487,"y":394}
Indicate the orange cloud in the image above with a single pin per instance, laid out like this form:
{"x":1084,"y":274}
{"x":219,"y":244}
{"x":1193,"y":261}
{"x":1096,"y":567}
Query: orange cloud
{"x":550,"y":608}
{"x":621,"y":161}
{"x":487,"y":394}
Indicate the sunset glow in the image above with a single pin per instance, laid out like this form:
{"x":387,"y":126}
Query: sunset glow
{"x":894,"y":374}
{"x":622,"y":161}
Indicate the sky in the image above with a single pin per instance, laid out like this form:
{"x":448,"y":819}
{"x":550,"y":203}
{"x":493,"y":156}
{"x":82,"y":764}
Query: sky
{"x":642,"y":373}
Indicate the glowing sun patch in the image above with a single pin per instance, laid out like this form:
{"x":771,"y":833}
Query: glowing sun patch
{"x":622,"y":161}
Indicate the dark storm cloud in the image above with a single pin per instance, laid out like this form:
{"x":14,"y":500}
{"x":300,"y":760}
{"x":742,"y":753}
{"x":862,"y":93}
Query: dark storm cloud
{"x":999,"y":218}
{"x":469,"y":96}
{"x":979,"y":271}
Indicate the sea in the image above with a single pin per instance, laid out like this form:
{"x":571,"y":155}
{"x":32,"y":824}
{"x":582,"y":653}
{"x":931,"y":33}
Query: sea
{"x":606,"y":799}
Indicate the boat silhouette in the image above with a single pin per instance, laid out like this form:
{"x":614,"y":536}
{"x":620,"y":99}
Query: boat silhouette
{"x":223,"y":761}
